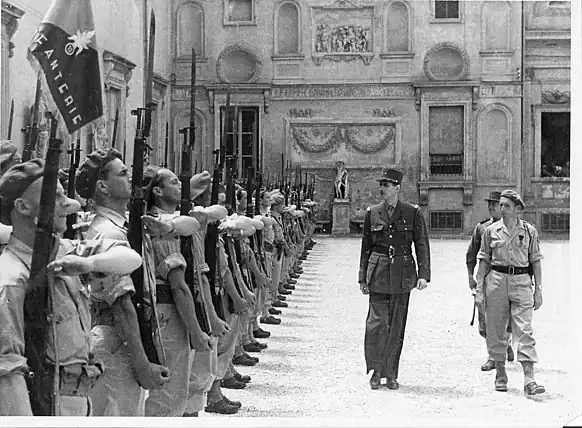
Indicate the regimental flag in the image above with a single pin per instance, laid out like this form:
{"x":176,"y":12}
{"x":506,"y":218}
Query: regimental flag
{"x":64,"y":48}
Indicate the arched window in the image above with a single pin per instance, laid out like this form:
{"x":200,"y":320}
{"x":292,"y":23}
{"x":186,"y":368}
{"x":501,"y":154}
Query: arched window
{"x":287,"y":31}
{"x":190,"y":30}
{"x":397,"y":28}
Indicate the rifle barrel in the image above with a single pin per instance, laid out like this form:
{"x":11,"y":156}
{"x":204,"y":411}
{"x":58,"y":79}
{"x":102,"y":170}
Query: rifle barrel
{"x":11,"y":120}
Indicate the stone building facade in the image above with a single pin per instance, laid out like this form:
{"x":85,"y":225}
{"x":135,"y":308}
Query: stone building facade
{"x":464,"y":96}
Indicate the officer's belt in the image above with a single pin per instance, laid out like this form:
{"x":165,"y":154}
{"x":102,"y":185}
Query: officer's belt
{"x":74,"y":379}
{"x":510,"y":270}
{"x":386,"y":252}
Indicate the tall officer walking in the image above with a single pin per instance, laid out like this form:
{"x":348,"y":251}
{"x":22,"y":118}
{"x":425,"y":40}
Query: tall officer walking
{"x":388,"y":273}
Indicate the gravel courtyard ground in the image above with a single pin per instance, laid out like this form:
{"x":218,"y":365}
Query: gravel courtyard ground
{"x":314,"y":366}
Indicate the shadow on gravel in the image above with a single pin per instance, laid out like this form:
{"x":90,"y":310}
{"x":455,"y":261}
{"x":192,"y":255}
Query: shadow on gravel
{"x":435,"y":391}
{"x":274,"y":367}
{"x":286,"y":338}
{"x":542,"y":398}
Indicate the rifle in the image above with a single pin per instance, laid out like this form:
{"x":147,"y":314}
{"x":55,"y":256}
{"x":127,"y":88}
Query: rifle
{"x":11,"y":120}
{"x":114,"y":138}
{"x":474,"y":311}
{"x":167,"y":146}
{"x":75,"y":154}
{"x":31,"y":130}
{"x":39,"y":304}
{"x":145,"y":310}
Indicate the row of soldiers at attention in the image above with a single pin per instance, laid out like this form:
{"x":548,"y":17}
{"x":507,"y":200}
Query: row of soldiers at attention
{"x":205,"y":309}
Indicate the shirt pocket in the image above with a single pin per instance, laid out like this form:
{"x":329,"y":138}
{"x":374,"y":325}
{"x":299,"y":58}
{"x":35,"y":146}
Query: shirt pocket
{"x":498,"y":250}
{"x":378,"y":270}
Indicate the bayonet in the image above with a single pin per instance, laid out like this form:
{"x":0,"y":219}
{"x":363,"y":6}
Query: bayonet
{"x":31,"y":130}
{"x":115,"y":122}
{"x":11,"y":120}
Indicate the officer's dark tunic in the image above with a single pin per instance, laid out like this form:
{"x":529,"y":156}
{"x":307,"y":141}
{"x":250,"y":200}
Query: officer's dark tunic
{"x":388,"y":267}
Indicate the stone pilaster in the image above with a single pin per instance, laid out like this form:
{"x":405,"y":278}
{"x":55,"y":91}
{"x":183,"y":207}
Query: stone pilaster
{"x":10,"y":16}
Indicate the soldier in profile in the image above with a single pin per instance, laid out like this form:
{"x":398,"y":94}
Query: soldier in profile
{"x":388,"y":273}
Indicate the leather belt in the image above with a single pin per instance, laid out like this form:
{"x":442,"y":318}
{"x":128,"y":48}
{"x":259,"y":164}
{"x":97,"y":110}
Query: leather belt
{"x":164,"y":294}
{"x":386,"y":252}
{"x":510,"y":270}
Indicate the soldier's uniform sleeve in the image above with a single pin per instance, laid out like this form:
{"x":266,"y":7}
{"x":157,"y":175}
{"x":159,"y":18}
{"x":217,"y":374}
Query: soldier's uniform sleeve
{"x":421,"y":245}
{"x":110,"y":287}
{"x":535,"y":253}
{"x":12,"y":293}
{"x":474,"y":246}
{"x":366,"y":246}
{"x":485,"y":249}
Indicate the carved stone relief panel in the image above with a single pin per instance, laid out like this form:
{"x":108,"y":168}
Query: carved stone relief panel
{"x":494,"y":145}
{"x":356,"y":142}
{"x":239,"y":64}
{"x":342,"y":31}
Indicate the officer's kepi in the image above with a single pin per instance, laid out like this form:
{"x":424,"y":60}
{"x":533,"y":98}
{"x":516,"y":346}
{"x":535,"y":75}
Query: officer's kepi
{"x":389,"y":174}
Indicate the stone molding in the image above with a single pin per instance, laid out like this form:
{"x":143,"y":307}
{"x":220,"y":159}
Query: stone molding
{"x":434,"y":51}
{"x":500,"y":91}
{"x":555,"y":97}
{"x":287,"y":56}
{"x":10,"y":16}
{"x":424,"y":188}
{"x":239,"y":48}
{"x":227,"y":23}
{"x":357,"y":92}
{"x":118,"y":71}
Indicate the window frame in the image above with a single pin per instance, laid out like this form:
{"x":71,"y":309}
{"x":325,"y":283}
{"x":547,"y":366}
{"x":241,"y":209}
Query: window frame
{"x":240,"y":132}
{"x":537,"y":120}
{"x":468,"y":154}
{"x":549,"y":215}
{"x":434,"y":229}
{"x":228,"y":23}
{"x":386,"y":30}
{"x":435,"y":20}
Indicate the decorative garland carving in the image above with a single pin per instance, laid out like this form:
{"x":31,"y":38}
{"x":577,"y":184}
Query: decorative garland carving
{"x":323,"y":138}
{"x":385,"y":140}
{"x":555,"y":97}
{"x":304,"y":135}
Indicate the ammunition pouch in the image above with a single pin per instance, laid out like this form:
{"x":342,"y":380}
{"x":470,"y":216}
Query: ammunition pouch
{"x":74,"y":380}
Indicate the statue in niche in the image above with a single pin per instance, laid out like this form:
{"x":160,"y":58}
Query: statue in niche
{"x":342,"y":186}
{"x":342,"y":39}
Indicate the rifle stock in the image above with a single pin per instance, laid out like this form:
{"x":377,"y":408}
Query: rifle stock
{"x":38,"y":304}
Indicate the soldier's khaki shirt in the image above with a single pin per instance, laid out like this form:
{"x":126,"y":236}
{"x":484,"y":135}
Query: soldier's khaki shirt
{"x":499,"y":247}
{"x":72,"y":305}
{"x":107,"y":224}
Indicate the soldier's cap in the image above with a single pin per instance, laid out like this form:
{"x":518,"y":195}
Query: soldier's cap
{"x":494,"y":196}
{"x":390,"y":174}
{"x":276,"y":197}
{"x":199,"y":184}
{"x":513,"y":196}
{"x":261,"y":193}
{"x":91,"y":169}
{"x":14,"y":183}
{"x":306,"y":210}
{"x":8,"y":155}
{"x":290,"y":209}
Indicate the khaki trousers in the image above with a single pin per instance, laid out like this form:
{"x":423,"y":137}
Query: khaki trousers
{"x":202,"y":376}
{"x":509,"y":298}
{"x":227,"y":344}
{"x":116,"y":392}
{"x":171,"y":400}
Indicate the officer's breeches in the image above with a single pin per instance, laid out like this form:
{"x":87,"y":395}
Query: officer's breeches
{"x":171,"y":400}
{"x":384,"y":337}
{"x":116,"y":392}
{"x":509,"y":298}
{"x":202,"y":376}
{"x":227,"y":343}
